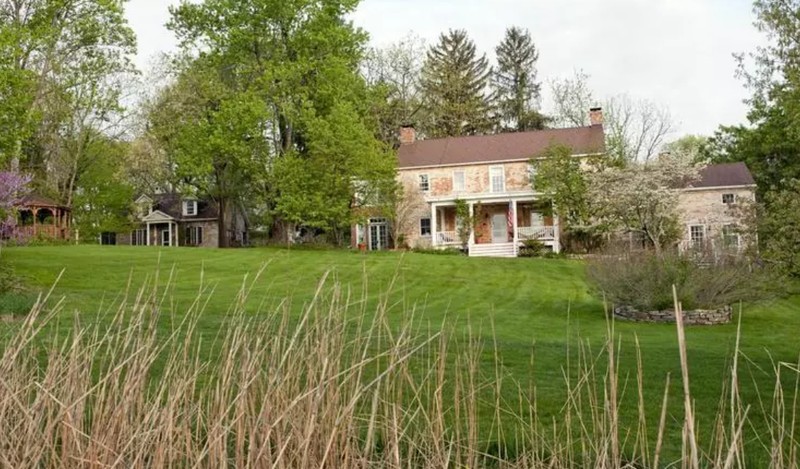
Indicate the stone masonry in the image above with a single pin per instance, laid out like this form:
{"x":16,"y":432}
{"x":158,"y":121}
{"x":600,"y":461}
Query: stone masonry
{"x":697,"y":317}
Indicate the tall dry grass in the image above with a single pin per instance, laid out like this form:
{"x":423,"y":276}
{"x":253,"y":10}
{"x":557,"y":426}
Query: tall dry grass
{"x":336,"y":387}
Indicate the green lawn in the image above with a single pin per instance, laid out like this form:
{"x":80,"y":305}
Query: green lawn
{"x":526,"y":301}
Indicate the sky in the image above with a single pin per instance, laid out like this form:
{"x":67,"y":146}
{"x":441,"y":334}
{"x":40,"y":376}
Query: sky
{"x":675,"y":53}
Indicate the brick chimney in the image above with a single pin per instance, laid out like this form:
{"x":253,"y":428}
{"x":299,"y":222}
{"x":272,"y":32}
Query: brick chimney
{"x":596,"y":116}
{"x":408,"y":134}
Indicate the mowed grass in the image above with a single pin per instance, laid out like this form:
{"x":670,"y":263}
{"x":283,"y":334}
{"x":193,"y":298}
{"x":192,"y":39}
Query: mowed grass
{"x":536,"y":312}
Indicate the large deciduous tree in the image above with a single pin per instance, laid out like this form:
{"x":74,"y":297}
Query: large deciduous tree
{"x":514,"y":82}
{"x":393,"y":76}
{"x":61,"y":70}
{"x":635,"y":129}
{"x":288,"y":100}
{"x":455,"y":80}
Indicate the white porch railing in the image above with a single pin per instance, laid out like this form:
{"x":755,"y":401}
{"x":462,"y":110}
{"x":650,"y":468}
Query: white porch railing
{"x":536,"y":232}
{"x":447,"y":237}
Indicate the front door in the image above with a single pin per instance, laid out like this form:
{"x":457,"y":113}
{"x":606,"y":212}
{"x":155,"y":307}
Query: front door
{"x":165,"y":237}
{"x":378,"y":234}
{"x":499,"y":228}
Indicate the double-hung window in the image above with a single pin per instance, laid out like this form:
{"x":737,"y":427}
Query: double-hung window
{"x":425,"y":227}
{"x":730,"y":236}
{"x":189,"y":208}
{"x":697,"y":235}
{"x":424,"y":183}
{"x":497,"y":179}
{"x":459,"y":181}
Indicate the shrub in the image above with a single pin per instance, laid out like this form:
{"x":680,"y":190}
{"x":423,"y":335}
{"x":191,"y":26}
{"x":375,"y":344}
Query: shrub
{"x":532,"y":248}
{"x":703,"y":280}
{"x":440,"y":252}
{"x":16,"y":304}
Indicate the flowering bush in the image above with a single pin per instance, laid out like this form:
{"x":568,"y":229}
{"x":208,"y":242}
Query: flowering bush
{"x":14,"y":186}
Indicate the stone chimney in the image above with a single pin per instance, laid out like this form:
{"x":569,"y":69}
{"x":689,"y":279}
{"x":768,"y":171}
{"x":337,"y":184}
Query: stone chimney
{"x":408,"y":134}
{"x":596,"y":116}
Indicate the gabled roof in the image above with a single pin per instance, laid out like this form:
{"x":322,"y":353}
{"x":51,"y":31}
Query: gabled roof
{"x":501,"y":147}
{"x":35,"y":200}
{"x":724,"y":175}
{"x":171,"y":204}
{"x":157,"y":215}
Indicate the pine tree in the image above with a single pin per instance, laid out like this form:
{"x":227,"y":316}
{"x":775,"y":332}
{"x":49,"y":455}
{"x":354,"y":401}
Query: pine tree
{"x":454,"y":81}
{"x":514,"y":82}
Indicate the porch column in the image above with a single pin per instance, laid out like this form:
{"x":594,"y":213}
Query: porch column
{"x":148,"y":235}
{"x":433,"y":224}
{"x":177,"y":244}
{"x":556,"y":234}
{"x":472,"y":228}
{"x":514,"y":226}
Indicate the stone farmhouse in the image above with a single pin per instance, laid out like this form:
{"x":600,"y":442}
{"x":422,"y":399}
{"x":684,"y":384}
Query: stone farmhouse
{"x":169,"y":219}
{"x":492,"y":174}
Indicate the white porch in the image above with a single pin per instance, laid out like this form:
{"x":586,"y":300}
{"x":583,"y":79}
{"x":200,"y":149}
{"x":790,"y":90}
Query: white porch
{"x":162,"y":229}
{"x":500,"y":229}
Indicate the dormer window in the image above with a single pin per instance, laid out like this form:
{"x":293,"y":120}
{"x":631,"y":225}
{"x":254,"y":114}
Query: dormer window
{"x":189,"y":208}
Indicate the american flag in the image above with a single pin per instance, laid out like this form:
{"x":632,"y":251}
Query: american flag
{"x":510,"y":219}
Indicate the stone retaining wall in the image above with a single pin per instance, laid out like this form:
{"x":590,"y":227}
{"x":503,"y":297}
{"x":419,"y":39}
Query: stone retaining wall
{"x":704,"y":317}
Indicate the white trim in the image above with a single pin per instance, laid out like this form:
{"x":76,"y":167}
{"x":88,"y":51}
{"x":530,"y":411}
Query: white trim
{"x":157,"y":216}
{"x":487,"y":196}
{"x":716,"y":188}
{"x":492,"y":162}
{"x":143,"y":199}
{"x":185,"y":204}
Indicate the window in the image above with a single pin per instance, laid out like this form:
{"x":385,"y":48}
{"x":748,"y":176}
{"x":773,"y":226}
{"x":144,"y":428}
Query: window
{"x":424,"y":184}
{"x":697,"y":234}
{"x":730,"y":236}
{"x":531,"y":173}
{"x":139,"y":237}
{"x":497,"y":179}
{"x":108,"y":238}
{"x":459,"y":181}
{"x":425,"y":227}
{"x":728,"y":198}
{"x":194,"y":236}
{"x":190,"y":208}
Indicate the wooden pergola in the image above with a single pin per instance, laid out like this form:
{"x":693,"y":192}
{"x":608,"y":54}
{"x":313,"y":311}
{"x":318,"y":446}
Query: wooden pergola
{"x":40,"y":216}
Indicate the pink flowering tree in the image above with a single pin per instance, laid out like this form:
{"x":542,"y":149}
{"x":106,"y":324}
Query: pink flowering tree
{"x":14,"y":186}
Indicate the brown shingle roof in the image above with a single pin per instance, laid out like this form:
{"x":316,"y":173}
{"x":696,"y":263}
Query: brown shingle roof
{"x":35,"y":200}
{"x":500,"y":147}
{"x":724,"y":174}
{"x":172,"y":205}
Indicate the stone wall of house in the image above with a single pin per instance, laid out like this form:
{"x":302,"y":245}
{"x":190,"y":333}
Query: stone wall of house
{"x":210,"y":233}
{"x":697,"y":317}
{"x":476,"y":178}
{"x":705,"y":207}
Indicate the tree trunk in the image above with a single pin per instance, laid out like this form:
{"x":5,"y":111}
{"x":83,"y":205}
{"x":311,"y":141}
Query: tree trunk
{"x":222,"y":228}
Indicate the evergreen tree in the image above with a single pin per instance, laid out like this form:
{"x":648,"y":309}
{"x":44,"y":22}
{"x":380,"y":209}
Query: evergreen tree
{"x":514,"y":82}
{"x":454,"y":81}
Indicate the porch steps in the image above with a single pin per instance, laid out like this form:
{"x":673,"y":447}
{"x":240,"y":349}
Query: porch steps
{"x":492,"y":250}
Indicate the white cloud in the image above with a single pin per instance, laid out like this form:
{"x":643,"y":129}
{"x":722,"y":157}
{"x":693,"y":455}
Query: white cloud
{"x":677,"y":53}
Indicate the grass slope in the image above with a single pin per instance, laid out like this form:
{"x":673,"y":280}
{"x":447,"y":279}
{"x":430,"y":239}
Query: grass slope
{"x":524,"y":304}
